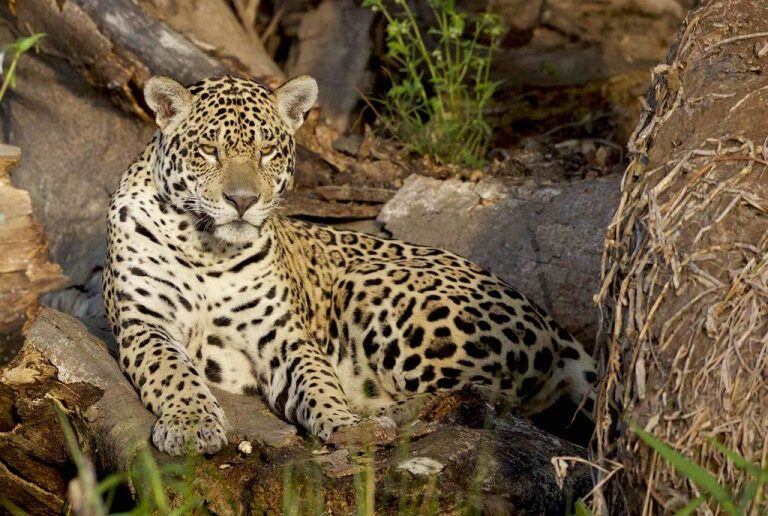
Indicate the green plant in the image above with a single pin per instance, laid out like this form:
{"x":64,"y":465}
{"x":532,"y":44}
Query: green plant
{"x":16,"y":50}
{"x":751,"y":499}
{"x":442,"y":83}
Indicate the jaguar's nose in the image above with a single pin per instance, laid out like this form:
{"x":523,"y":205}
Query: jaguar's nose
{"x":241,"y":202}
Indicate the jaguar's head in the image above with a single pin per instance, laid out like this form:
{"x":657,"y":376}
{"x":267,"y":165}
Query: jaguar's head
{"x":225,"y":149}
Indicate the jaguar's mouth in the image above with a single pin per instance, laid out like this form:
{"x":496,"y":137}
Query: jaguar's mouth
{"x":239,"y":224}
{"x":237,"y":231}
{"x":208,"y":224}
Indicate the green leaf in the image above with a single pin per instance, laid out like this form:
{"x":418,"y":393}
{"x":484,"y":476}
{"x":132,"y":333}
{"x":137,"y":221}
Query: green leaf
{"x":692,"y":471}
{"x":24,"y":44}
{"x":396,"y":48}
{"x":581,"y":509}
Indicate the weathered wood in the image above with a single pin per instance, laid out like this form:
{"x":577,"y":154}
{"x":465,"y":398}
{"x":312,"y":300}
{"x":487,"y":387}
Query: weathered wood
{"x":507,"y":459}
{"x":118,"y":46}
{"x":334,"y":46}
{"x":25,"y":272}
{"x":347,"y":193}
{"x":213,"y":23}
{"x":299,"y":205}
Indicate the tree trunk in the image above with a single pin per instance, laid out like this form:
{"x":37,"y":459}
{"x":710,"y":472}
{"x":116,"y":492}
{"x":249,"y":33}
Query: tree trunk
{"x":512,"y":464}
{"x":685,"y":271}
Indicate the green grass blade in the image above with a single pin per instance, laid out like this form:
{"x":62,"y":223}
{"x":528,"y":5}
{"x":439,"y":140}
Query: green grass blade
{"x":691,"y":507}
{"x":747,"y":495}
{"x":690,"y":470}
{"x":147,"y":479}
{"x":739,"y":461}
{"x":12,"y":508}
{"x":111,"y":482}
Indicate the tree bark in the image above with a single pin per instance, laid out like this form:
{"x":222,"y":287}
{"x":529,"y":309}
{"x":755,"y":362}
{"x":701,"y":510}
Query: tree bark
{"x":25,"y":272}
{"x":511,"y":462}
{"x":685,"y":271}
{"x":115,"y":44}
{"x":213,"y":23}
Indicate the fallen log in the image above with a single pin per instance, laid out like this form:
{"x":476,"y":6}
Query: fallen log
{"x":513,"y":466}
{"x":214,"y":25}
{"x":118,"y":46}
{"x":302,"y":205}
{"x":685,"y":269}
{"x":355,"y":194}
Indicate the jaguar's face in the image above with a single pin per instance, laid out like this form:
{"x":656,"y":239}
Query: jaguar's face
{"x":226,"y":148}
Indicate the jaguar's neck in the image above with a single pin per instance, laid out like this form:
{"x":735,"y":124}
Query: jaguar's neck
{"x":307,"y":260}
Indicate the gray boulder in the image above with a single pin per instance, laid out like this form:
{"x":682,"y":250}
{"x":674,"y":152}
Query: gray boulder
{"x":545,"y":241}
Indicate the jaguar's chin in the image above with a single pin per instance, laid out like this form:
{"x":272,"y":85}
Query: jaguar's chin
{"x":237,"y":232}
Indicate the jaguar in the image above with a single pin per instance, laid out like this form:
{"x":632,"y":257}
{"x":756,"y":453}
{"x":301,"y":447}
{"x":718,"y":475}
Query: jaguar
{"x":207,"y":284}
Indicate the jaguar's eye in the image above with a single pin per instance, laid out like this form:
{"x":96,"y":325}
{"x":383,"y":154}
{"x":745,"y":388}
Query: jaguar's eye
{"x":267,"y":150}
{"x":210,"y":152}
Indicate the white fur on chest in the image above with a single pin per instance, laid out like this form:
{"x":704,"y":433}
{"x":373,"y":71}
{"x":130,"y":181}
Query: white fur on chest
{"x":230,"y":310}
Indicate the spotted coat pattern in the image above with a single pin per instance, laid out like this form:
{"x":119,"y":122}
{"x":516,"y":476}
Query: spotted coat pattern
{"x":326,"y":325}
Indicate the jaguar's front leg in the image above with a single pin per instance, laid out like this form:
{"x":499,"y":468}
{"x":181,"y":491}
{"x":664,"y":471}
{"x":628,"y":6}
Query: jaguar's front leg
{"x":190,"y":418}
{"x":306,"y":390}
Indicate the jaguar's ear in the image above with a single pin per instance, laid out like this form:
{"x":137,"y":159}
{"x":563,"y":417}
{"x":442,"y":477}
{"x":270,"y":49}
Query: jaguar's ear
{"x":170,"y":101}
{"x":294,"y":99}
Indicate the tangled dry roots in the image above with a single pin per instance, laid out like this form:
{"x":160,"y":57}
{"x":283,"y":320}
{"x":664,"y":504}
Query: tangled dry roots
{"x":685,"y":268}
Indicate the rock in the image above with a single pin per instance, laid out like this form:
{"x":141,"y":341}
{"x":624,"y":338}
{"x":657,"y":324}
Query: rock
{"x":602,"y":40}
{"x":350,"y":144}
{"x":334,"y":47}
{"x":547,"y":242}
{"x":520,"y":17}
{"x":76,"y":145}
{"x":580,"y":70}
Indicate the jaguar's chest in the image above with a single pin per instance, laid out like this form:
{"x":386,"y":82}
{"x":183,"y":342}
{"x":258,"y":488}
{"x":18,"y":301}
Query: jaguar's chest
{"x":242,"y":323}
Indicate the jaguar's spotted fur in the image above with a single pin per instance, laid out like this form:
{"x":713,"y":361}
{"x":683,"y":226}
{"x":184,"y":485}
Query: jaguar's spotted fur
{"x":205,"y":285}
